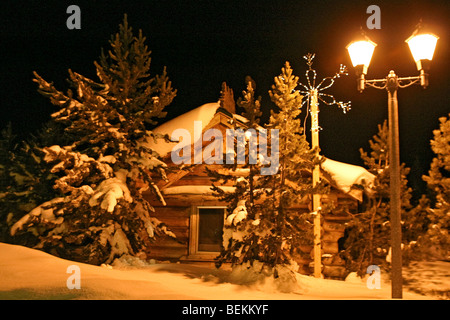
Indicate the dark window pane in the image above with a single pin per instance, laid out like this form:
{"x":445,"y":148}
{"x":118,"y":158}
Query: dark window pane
{"x":210,"y":229}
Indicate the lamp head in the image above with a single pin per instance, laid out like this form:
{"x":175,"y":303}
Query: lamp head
{"x":422,"y":44}
{"x":361,"y":51}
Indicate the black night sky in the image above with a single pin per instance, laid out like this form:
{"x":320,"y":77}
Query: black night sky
{"x":204,"y":43}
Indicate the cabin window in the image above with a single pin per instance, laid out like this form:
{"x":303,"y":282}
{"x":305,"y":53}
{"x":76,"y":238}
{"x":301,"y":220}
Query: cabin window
{"x":210,"y":229}
{"x":206,"y":231}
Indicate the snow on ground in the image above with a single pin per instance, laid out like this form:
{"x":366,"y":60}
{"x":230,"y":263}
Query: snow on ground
{"x":429,"y":278}
{"x":32,"y":274}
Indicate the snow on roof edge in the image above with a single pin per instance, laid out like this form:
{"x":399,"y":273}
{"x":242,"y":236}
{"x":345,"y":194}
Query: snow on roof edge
{"x":204,"y":113}
{"x":346,"y":175}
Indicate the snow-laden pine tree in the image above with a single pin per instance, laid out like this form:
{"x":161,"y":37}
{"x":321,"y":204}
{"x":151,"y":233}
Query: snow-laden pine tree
{"x":25,"y":180}
{"x":271,"y":233}
{"x":242,"y":208}
{"x":14,"y":181}
{"x":292,"y":183}
{"x":107,"y":164}
{"x":8,"y":183}
{"x":437,"y":237}
{"x":368,"y":233}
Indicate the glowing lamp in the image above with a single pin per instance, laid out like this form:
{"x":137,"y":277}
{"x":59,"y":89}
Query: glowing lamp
{"x":422,"y":46}
{"x":361,"y":52}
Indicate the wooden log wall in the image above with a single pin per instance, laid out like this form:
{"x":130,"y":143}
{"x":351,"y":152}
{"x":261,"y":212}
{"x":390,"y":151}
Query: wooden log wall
{"x":176,"y":214}
{"x":177,"y":220}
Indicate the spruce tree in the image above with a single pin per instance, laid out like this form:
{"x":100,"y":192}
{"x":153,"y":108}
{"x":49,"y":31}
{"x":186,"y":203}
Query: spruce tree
{"x":106,"y":164}
{"x":9,"y":186}
{"x":292,"y":183}
{"x":368,"y":233}
{"x":269,"y":235}
{"x":25,"y":180}
{"x":242,"y":203}
{"x":252,"y":111}
{"x":437,"y":238}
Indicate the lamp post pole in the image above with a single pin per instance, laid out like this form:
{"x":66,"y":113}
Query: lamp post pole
{"x":392,"y":83}
{"x":392,"y":86}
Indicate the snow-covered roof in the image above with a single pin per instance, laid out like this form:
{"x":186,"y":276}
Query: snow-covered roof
{"x":343,"y":175}
{"x":204,"y":113}
{"x":346,"y":175}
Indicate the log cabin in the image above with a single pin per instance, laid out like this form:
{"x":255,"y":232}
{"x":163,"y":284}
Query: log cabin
{"x":196,"y":216}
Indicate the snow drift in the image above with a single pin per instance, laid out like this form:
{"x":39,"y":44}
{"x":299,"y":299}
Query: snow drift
{"x":32,"y":274}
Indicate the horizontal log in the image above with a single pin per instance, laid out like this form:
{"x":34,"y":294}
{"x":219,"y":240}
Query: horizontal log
{"x":182,"y":235}
{"x":337,"y":272}
{"x":172,"y":211}
{"x":332,"y":236}
{"x":330,"y":247}
{"x":327,"y":260}
{"x":333,"y":226}
{"x":193,"y":199}
{"x":336,"y":218}
{"x":187,"y":200}
{"x":168,"y":243}
{"x":176,"y":225}
{"x":302,"y":261}
{"x":332,"y":260}
{"x":194,"y":181}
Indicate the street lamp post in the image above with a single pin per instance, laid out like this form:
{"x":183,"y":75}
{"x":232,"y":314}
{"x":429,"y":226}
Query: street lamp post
{"x":422,"y":45}
{"x":313,"y":94}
